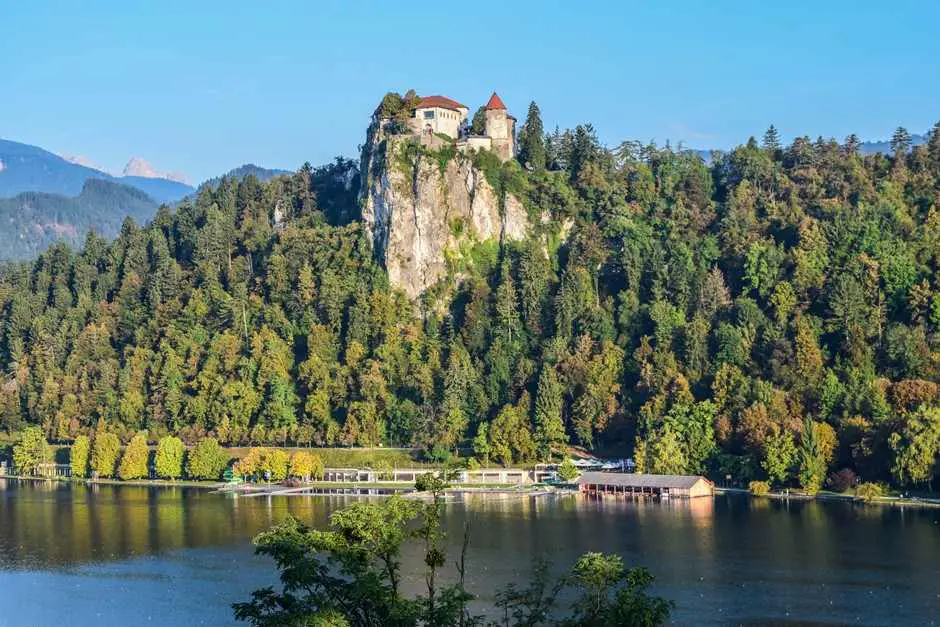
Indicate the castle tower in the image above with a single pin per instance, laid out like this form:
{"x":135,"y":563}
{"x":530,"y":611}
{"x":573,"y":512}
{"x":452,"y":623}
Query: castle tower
{"x":500,"y":128}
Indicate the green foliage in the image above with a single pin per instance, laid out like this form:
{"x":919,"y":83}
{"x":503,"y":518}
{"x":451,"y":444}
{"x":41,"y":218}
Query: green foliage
{"x":105,"y":453}
{"x":868,"y":492}
{"x":779,"y":456}
{"x":134,"y":461}
{"x":79,"y":455}
{"x":206,"y":460}
{"x":168,"y":461}
{"x":916,"y":446}
{"x":700,"y":310}
{"x":305,"y":465}
{"x":30,"y":451}
{"x":567,"y":471}
{"x":351,"y":574}
{"x":759,"y":488}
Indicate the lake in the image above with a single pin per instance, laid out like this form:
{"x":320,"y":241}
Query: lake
{"x":121,"y":555}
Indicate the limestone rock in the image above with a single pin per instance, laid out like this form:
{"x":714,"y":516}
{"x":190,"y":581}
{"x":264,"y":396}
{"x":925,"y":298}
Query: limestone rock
{"x":420,"y":209}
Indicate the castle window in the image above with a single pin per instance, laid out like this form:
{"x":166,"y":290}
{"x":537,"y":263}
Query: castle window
{"x":429,"y":115}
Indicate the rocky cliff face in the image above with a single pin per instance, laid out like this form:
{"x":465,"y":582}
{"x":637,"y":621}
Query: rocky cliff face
{"x":422,"y":203}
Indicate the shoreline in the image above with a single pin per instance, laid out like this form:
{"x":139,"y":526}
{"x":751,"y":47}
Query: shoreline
{"x":275,"y":489}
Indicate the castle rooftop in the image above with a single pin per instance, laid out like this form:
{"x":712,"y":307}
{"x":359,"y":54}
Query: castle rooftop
{"x":441,"y":102}
{"x":495,"y":102}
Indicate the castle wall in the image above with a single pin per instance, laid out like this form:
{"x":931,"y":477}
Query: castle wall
{"x":444,"y":121}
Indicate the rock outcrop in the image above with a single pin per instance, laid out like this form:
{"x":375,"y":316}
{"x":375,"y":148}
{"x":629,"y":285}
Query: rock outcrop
{"x":422,"y":203}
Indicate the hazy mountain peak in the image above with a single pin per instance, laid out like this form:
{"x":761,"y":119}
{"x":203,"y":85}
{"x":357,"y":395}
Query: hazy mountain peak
{"x":137,"y":166}
{"x":83,"y":160}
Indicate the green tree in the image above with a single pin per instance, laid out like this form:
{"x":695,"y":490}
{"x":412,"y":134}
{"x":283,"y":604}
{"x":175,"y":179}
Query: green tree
{"x":168,"y":462}
{"x":30,"y":451}
{"x":105,"y":453}
{"x":481,"y":443}
{"x":206,"y":460}
{"x":771,"y":139}
{"x":478,"y":122}
{"x":916,"y":446}
{"x":549,"y":426}
{"x":79,"y":456}
{"x":532,"y":139}
{"x":134,"y":461}
{"x":811,"y":465}
{"x":567,"y":471}
{"x":611,"y":594}
{"x":779,"y":456}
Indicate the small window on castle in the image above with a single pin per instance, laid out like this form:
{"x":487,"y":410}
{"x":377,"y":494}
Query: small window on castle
{"x":428,"y":115}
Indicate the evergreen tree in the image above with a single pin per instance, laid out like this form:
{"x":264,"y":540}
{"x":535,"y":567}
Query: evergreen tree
{"x":532,"y":140}
{"x":810,"y":462}
{"x":900,"y":144}
{"x":771,"y":141}
{"x":478,"y":122}
{"x":79,"y":456}
{"x":549,"y":425}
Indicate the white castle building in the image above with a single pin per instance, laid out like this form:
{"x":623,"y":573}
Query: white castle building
{"x":439,"y":115}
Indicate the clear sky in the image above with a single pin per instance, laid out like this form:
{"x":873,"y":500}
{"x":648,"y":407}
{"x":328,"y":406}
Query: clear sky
{"x":202,"y":86}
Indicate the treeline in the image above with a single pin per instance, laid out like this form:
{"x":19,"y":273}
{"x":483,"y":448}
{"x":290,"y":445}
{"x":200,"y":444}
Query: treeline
{"x":773,"y":314}
{"x":103,"y":456}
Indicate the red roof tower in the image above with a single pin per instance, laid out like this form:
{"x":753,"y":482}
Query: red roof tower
{"x":495,"y":102}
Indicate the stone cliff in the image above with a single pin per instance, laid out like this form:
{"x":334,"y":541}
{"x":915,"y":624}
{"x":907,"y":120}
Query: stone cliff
{"x":422,"y":200}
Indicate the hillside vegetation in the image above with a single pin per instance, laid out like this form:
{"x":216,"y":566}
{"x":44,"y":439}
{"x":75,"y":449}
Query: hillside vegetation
{"x":34,"y":220}
{"x":772,"y":315}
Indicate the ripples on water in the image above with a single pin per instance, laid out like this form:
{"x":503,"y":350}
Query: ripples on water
{"x":122,"y":555}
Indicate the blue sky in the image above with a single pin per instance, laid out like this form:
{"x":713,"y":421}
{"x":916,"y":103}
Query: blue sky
{"x":203,"y":86}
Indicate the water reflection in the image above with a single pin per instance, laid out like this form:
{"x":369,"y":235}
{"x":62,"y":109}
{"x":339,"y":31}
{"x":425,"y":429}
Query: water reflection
{"x":723,"y":560}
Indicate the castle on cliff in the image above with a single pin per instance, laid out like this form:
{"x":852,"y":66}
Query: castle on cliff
{"x":436,"y":116}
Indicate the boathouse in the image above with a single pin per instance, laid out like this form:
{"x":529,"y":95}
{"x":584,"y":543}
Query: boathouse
{"x":638,"y":484}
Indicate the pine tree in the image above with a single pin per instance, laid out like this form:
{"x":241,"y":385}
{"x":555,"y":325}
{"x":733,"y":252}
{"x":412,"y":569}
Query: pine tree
{"x":772,"y":139}
{"x":933,"y":147}
{"x":532,"y":140}
{"x":478,"y":122}
{"x":811,"y":466}
{"x":852,"y":142}
{"x":900,"y":144}
{"x":549,"y":424}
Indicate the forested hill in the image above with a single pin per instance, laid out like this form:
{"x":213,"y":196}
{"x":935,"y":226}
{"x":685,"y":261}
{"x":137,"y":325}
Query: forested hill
{"x":774,"y":314}
{"x":34,"y":220}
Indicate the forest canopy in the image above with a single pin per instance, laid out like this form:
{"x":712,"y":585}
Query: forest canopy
{"x":773,"y":313}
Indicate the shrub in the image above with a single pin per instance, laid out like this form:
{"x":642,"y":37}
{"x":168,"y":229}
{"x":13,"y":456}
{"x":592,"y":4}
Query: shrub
{"x":842,"y":480}
{"x":78,"y":456}
{"x":759,"y":488}
{"x":104,"y":456}
{"x":30,"y":451}
{"x":567,"y":471}
{"x":304,"y":465}
{"x":868,"y":492}
{"x":207,"y":460}
{"x":134,"y":462}
{"x":169,"y":460}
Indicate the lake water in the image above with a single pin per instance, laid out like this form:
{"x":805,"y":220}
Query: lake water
{"x":116,"y":555}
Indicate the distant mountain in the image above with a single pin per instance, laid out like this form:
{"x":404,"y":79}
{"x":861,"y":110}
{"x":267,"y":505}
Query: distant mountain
{"x":33,"y":220}
{"x":28,"y":168}
{"x":249,"y":169}
{"x":139,"y":168}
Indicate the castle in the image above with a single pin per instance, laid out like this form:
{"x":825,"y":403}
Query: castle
{"x":438,"y":115}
